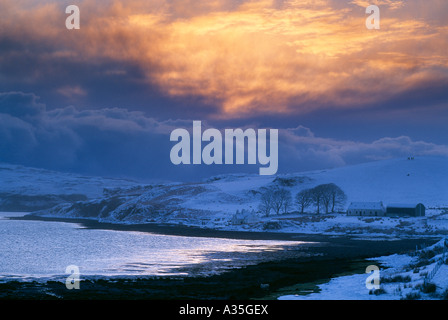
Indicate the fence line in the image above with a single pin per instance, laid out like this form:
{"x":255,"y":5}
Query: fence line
{"x":436,"y":268}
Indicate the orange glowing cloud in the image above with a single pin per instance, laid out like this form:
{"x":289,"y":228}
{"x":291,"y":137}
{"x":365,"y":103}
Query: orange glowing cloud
{"x":260,"y":55}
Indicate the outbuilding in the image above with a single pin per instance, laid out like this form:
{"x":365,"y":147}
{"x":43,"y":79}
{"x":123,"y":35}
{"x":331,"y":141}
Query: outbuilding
{"x":405,"y":210}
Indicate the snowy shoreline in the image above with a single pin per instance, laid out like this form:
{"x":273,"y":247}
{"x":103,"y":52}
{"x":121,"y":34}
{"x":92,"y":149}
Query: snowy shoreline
{"x":422,"y":275}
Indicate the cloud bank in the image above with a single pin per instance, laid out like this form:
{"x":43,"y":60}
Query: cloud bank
{"x":121,"y":143}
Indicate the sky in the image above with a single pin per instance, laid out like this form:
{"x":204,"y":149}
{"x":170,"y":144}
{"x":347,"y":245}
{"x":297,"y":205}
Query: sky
{"x":104,"y":98}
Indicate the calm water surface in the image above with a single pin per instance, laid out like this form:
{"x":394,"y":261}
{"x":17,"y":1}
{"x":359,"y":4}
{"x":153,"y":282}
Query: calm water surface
{"x":42,"y":249}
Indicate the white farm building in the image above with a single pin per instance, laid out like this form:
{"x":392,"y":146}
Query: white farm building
{"x":244,"y":217}
{"x":375,"y":209}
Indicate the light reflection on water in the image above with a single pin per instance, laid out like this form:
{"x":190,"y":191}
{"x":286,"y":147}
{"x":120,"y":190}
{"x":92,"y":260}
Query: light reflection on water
{"x":45,"y":249}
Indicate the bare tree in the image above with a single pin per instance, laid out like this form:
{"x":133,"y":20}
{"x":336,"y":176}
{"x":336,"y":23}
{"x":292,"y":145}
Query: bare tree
{"x":316,"y":196}
{"x":304,"y":198}
{"x":338,"y":196}
{"x":275,"y":199}
{"x":266,"y":203}
{"x":326,"y":196}
{"x":285,"y":198}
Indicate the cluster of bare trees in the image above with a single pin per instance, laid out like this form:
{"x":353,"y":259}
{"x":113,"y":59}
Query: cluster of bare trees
{"x":275,"y":199}
{"x":328,"y":197}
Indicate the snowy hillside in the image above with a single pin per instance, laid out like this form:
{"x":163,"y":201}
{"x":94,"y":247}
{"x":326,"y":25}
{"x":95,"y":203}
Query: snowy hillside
{"x":214,"y":202}
{"x":27,"y":189}
{"x":423,"y":179}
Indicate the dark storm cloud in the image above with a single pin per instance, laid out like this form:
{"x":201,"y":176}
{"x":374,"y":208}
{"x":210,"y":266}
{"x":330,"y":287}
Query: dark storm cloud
{"x":20,"y":105}
{"x":71,"y":139}
{"x":119,"y":142}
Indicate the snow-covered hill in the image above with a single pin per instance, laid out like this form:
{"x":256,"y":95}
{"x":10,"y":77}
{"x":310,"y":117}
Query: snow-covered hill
{"x":27,"y":189}
{"x":423,"y":179}
{"x":213,"y":202}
